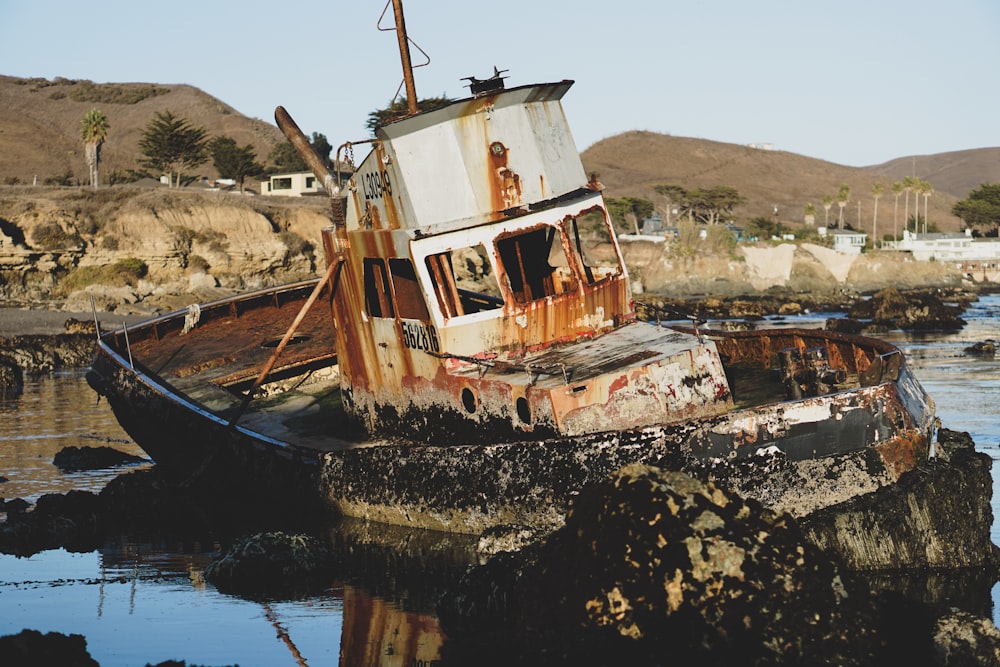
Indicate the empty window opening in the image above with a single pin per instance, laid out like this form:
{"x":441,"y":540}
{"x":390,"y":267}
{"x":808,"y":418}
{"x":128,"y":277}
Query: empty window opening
{"x":378,"y":298}
{"x":590,"y":237}
{"x":536,"y":265}
{"x":464,"y":282}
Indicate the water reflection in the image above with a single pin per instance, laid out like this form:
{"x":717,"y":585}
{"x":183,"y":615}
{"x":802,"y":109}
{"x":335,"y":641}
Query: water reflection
{"x":141,"y":602}
{"x":57,"y":410}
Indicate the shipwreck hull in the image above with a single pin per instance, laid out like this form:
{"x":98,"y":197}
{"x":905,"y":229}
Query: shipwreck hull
{"x":793,"y":456}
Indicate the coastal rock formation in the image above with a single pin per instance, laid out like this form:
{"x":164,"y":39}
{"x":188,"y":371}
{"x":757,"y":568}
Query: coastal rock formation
{"x":657,"y":563}
{"x":11,"y":379}
{"x":662,"y":269}
{"x":936,"y":516}
{"x":963,"y":639}
{"x":43,"y":353}
{"x":47,"y":235}
{"x":986,"y":348}
{"x":92,"y":458}
{"x":917,"y":310}
{"x":30,"y":648}
{"x":272,"y":562}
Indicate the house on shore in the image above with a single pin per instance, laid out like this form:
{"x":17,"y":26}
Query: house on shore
{"x":976,"y":257}
{"x":296,"y":184}
{"x":848,"y":242}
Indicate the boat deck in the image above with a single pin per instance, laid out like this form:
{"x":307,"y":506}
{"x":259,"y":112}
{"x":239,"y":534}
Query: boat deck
{"x":215,"y":362}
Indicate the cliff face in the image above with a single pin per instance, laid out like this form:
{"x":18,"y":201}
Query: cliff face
{"x":194,"y":244}
{"x":806,"y":267}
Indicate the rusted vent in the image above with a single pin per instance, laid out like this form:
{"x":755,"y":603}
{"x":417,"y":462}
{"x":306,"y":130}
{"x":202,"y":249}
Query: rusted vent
{"x":294,"y":340}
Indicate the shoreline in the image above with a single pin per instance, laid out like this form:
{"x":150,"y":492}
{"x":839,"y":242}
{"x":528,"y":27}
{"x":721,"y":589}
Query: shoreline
{"x":16,"y":321}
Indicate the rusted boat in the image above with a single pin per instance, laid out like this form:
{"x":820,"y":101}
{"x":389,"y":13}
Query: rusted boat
{"x":471,"y":356}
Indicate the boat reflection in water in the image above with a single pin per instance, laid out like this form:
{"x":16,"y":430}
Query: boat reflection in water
{"x":145,"y":602}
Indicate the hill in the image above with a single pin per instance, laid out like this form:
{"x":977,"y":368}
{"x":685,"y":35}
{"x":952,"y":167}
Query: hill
{"x":631,"y":164}
{"x":956,"y":173}
{"x":40,"y":125}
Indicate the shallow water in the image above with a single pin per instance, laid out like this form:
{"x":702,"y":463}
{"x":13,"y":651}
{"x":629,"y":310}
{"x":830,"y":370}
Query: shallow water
{"x":139,"y":602}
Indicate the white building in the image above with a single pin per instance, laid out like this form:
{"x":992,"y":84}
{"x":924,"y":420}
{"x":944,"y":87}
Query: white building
{"x":849,"y":243}
{"x":292,"y":185}
{"x":975,"y":257}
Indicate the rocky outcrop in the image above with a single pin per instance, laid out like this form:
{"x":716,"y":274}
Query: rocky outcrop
{"x":985,"y":348}
{"x":39,"y":353}
{"x":655,"y":563}
{"x":233,"y":242}
{"x":276,"y":563}
{"x":30,"y":647}
{"x":11,"y":379}
{"x":962,"y":639}
{"x":794,"y":268}
{"x":936,"y":516}
{"x":70,"y":459}
{"x":915,"y":311}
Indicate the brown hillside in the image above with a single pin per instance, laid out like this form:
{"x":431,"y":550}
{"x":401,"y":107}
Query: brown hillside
{"x":631,"y":164}
{"x":957,"y":172}
{"x":40,"y":125}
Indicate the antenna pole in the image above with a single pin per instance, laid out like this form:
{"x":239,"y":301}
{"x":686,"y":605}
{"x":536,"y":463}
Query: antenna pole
{"x":404,"y":54}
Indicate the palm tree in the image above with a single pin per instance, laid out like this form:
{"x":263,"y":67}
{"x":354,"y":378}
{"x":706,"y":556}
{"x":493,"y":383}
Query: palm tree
{"x":843,"y":196}
{"x":897,"y":189}
{"x":93,"y":130}
{"x":810,"y":211}
{"x":877,"y":191}
{"x":909,"y":183}
{"x":827,"y":203}
{"x":926,"y":189}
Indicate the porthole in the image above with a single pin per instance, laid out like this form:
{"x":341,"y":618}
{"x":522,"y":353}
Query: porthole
{"x":469,"y":400}
{"x":523,"y":410}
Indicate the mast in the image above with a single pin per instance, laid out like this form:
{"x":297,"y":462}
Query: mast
{"x":404,"y":54}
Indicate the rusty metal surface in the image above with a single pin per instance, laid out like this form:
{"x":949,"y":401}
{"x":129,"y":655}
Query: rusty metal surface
{"x":437,"y":168}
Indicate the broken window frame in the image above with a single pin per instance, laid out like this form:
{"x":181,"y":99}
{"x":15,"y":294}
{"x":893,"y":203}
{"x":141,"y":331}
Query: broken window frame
{"x":522,"y":263}
{"x":592,"y":272}
{"x":378,"y":293}
{"x":454,"y":300}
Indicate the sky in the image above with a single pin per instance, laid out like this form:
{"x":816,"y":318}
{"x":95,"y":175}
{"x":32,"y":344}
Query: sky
{"x":855,"y":82}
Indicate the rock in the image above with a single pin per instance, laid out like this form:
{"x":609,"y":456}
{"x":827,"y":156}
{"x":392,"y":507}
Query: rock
{"x":962,"y":639}
{"x":500,"y":539}
{"x":92,"y":458}
{"x":11,"y":380}
{"x":986,"y":348}
{"x":845,"y":325}
{"x":15,"y":507}
{"x":75,"y":326}
{"x":917,"y":310}
{"x":275,"y":563}
{"x":937,"y":515}
{"x":657,"y":563}
{"x":30,"y":648}
{"x":202,"y":280}
{"x":39,"y":353}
